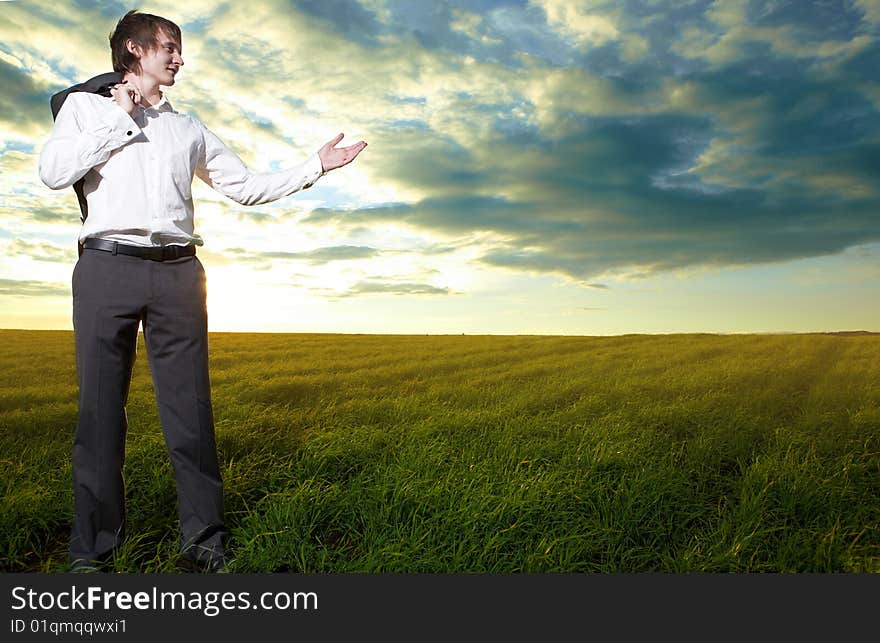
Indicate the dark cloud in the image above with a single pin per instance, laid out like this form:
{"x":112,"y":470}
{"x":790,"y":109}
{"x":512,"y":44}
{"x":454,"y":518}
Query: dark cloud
{"x":66,"y":210}
{"x":510,"y":28}
{"x":809,"y":127}
{"x":516,"y":30}
{"x":653,"y":213}
{"x":346,"y":18}
{"x":662,"y":23}
{"x":427,"y":22}
{"x":24,"y":104}
{"x":314,"y":257}
{"x":613,"y":194}
{"x":814,"y":20}
{"x":483,"y":6}
{"x":26,"y":288}
{"x":865,"y":65}
{"x":107,"y":8}
{"x":455,"y":214}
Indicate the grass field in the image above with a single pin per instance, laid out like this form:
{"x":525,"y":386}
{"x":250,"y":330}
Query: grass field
{"x":372,"y":453}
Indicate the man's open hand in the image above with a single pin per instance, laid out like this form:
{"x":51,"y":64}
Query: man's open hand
{"x":332,"y":157}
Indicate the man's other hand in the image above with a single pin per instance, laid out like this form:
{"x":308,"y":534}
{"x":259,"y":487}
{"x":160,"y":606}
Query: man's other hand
{"x":333,"y":157}
{"x":126,"y":96}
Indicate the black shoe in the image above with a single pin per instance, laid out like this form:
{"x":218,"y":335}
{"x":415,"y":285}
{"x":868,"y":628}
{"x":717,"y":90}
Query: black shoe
{"x":86,"y":566}
{"x":215,"y":565}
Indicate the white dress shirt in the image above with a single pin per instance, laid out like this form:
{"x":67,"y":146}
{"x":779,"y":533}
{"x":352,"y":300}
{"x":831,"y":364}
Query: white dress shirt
{"x":139,"y":169}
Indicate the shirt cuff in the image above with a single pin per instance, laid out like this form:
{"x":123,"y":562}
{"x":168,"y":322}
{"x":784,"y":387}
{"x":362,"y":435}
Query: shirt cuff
{"x":120,"y":127}
{"x":314,"y":170}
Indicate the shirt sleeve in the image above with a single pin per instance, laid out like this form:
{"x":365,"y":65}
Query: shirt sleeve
{"x":225,"y":172}
{"x":78,"y":143}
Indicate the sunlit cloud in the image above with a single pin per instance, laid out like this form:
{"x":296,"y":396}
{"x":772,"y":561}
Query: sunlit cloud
{"x":379,"y":287}
{"x":28,"y":288}
{"x":38,"y":251}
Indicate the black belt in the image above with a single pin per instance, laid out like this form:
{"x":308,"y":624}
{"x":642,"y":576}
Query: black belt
{"x":153,"y":253}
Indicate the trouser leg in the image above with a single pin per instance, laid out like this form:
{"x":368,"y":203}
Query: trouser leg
{"x":176,"y":333}
{"x":106,"y":313}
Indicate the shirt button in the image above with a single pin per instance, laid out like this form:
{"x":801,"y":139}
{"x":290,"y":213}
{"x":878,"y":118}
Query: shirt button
{"x":128,"y":133}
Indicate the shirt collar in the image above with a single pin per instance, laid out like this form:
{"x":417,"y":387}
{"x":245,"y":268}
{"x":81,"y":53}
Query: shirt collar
{"x":162,"y":106}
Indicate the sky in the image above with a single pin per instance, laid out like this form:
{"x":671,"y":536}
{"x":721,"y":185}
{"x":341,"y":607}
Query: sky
{"x":533,"y":166}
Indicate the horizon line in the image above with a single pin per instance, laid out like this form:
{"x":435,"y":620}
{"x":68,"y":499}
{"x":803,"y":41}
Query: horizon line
{"x":859,"y":332}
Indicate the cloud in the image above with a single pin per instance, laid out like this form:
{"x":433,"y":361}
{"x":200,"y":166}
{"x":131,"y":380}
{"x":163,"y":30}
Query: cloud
{"x":620,"y":196}
{"x":318,"y":256}
{"x":587,"y":28}
{"x":17,"y":162}
{"x":25,"y":288}
{"x":733,"y":29}
{"x":393,"y":288}
{"x":28,"y":200}
{"x":24,"y":103}
{"x":56,"y":44}
{"x":40,"y":251}
{"x":870,"y":10}
{"x":453,"y":214}
{"x":345,"y":18}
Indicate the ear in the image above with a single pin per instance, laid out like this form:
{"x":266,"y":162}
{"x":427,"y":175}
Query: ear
{"x":133,"y":48}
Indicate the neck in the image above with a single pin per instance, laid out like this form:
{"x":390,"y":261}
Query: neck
{"x":149,"y":89}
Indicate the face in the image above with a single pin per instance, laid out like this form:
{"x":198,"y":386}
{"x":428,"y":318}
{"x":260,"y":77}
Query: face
{"x":162,"y":62}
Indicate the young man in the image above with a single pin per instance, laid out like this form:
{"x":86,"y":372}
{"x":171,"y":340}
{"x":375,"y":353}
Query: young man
{"x":138,"y":156}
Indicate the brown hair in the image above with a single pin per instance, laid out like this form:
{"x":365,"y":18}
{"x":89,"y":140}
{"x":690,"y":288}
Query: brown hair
{"x":143,"y":30}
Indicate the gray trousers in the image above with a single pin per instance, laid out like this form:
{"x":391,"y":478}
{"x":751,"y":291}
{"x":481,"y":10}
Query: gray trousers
{"x":112,"y":295}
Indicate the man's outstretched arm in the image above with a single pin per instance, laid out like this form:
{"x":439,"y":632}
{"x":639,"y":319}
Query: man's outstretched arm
{"x":224,"y":171}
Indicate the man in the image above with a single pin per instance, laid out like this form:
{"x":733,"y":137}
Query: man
{"x":138,"y":266}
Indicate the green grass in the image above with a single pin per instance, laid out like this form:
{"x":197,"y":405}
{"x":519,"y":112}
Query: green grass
{"x":371,"y":453}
